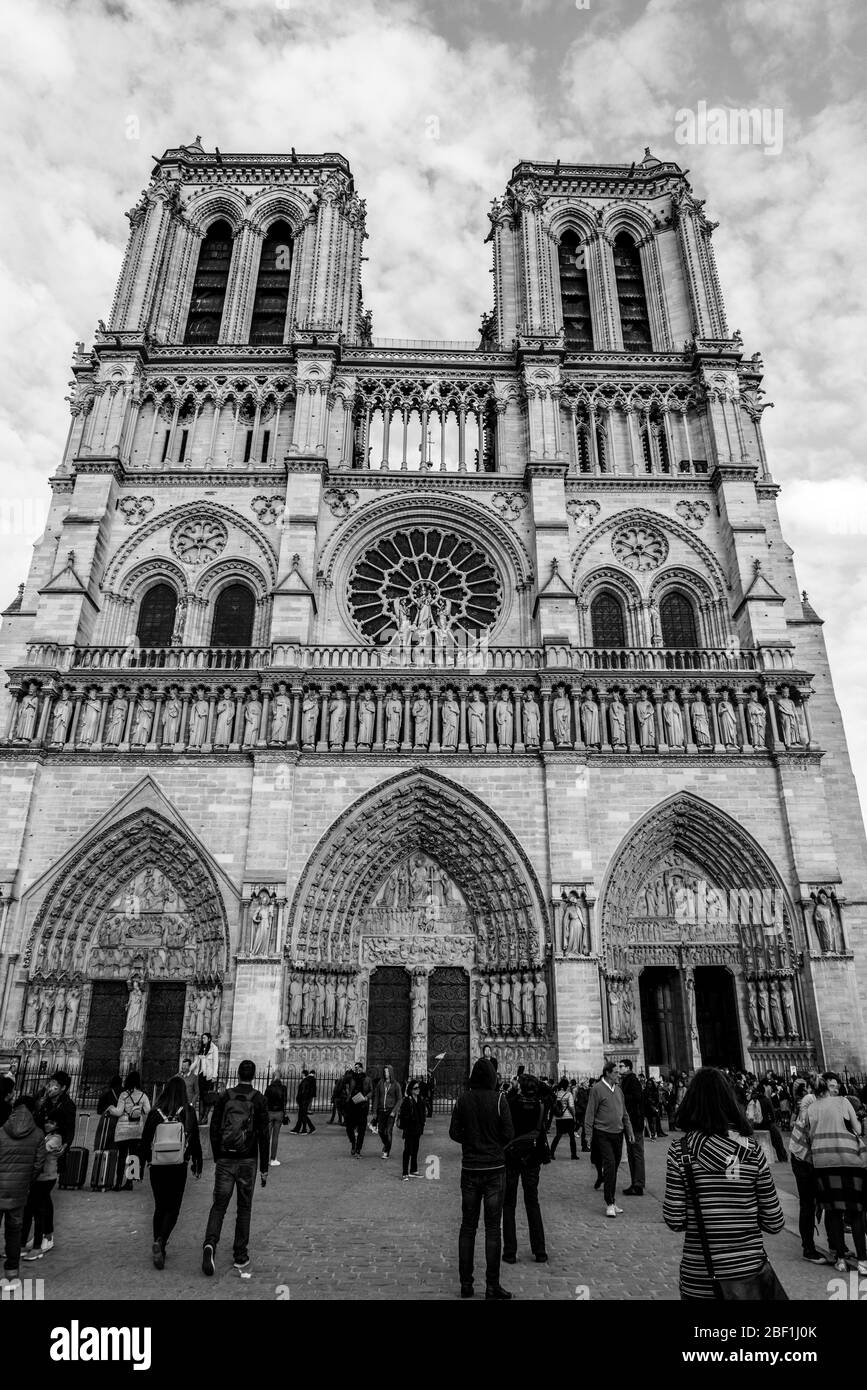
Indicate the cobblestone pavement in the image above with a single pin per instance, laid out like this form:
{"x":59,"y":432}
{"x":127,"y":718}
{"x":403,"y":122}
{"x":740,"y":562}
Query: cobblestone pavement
{"x":326,"y":1227}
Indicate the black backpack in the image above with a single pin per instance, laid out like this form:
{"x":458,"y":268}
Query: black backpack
{"x":236,"y":1130}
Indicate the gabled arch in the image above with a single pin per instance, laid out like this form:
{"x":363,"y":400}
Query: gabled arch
{"x":420,"y":811}
{"x":207,"y":207}
{"x":123,"y":558}
{"x":276,"y":203}
{"x":642,"y":516}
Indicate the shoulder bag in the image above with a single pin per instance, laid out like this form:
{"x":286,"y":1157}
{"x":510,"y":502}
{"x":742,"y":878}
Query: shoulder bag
{"x":761,"y":1287}
{"x":131,"y":1123}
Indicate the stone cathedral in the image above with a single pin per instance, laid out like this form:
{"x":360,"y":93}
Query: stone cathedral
{"x":381,"y":699}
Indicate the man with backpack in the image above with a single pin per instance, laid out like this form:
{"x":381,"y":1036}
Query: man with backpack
{"x":239,"y":1137}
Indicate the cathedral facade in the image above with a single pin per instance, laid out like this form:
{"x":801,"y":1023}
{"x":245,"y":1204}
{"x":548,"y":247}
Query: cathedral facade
{"x":384,"y":700}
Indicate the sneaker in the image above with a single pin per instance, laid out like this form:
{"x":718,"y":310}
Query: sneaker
{"x":47,"y":1244}
{"x":510,"y":1259}
{"x":619,"y":1211}
{"x":28,"y":1246}
{"x":497,"y":1292}
{"x":415,"y":1175}
{"x":275,"y":1163}
{"x":208,"y":1260}
{"x":384,"y":1154}
{"x":31,"y":1254}
{"x":405,"y":1177}
{"x":610,"y":1211}
{"x":242,"y":1267}
{"x":634,"y":1192}
{"x":815,"y":1257}
{"x":159,"y":1255}
{"x":841,"y":1266}
{"x":541,"y":1259}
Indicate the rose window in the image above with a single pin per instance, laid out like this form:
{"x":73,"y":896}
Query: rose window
{"x":639,"y":547}
{"x":194,"y":542}
{"x":420,"y":577}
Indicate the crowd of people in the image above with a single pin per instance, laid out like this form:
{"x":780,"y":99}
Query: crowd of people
{"x":726,"y":1130}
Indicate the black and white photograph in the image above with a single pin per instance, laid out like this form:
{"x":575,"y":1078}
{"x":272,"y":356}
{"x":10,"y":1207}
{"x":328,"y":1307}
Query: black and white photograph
{"x":432,"y":678}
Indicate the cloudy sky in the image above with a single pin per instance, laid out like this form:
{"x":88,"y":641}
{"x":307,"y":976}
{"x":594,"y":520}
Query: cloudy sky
{"x":433,"y":103}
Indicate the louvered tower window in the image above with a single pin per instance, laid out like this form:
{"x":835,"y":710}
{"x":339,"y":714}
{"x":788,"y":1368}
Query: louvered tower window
{"x":156,"y":616}
{"x":575,"y":293}
{"x":233,"y":617}
{"x":606,"y":620}
{"x":677,"y":617}
{"x":634,"y":318}
{"x":272,"y":287}
{"x":209,"y":286}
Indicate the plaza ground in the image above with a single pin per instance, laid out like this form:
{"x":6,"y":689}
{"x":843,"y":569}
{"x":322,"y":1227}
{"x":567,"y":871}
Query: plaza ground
{"x":326,"y":1227}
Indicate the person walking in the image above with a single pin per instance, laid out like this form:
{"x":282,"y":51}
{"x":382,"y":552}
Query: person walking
{"x":581,"y":1095}
{"x":304,"y":1098}
{"x":276,"y":1096}
{"x":733,"y":1182}
{"x":386,"y":1103}
{"x":802,"y":1168}
{"x":832,"y":1132}
{"x":131,"y":1111}
{"x":22,"y":1158}
{"x":411,"y":1121}
{"x":338,"y":1100}
{"x":170,"y":1143}
{"x":190,"y":1079}
{"x":239,"y":1139}
{"x":358,"y":1108}
{"x":605,"y":1123}
{"x":482,"y":1124}
{"x":564,"y":1118}
{"x":527,"y":1109}
{"x":633,"y":1099}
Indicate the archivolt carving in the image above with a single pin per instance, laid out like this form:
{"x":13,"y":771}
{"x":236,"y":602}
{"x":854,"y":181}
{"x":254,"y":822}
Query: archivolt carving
{"x":267,"y":207}
{"x":628,"y":217}
{"x":419,"y":813}
{"x":189,"y":511}
{"x":202,"y":209}
{"x":140,"y":578}
{"x":680,"y":577}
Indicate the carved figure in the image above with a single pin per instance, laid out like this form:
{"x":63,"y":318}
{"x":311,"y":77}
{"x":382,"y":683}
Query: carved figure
{"x":540,"y":991}
{"x":646,"y":716}
{"x":505,"y":720}
{"x":728,"y":724}
{"x":484,"y":1008}
{"x":617,"y":720}
{"x":309,"y":718}
{"x":476,"y":720}
{"x":199,"y":710}
{"x":340,"y":1008}
{"x":25,"y":727}
{"x":787,"y":714}
{"x":700,"y":723}
{"x":366,"y":719}
{"x":88,"y":725}
{"x":531,"y":720}
{"x":262,"y":919}
{"x":756,"y":718}
{"x":116,"y":726}
{"x":451,"y":714}
{"x":135,"y":1008}
{"x":252,"y":720}
{"x":143,"y":719}
{"x":393,"y":717}
{"x":590,"y":720}
{"x":281,"y":711}
{"x":823,"y":920}
{"x":421,"y":715}
{"x":61,"y":718}
{"x":337,"y":720}
{"x":562,"y":716}
{"x":672,"y":718}
{"x":296,"y":1000}
{"x":517,"y":1001}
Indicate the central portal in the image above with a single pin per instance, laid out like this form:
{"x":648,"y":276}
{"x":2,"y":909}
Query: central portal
{"x":449,"y":1028}
{"x":388,"y":1022}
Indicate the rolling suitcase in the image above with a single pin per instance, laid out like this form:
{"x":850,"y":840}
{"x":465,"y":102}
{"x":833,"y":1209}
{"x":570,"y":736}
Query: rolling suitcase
{"x":72,"y":1170}
{"x":103,"y":1178}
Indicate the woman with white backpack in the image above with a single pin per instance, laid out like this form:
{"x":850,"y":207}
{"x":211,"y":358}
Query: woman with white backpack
{"x":131,"y":1111}
{"x":170,"y":1144}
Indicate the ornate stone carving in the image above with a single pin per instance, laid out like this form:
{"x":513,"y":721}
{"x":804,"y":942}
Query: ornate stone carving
{"x":572,"y":915}
{"x":509,"y":504}
{"x":639,"y":548}
{"x":268,"y":509}
{"x":826,"y":919}
{"x":340,"y":500}
{"x":787,"y":718}
{"x":135,"y":509}
{"x":196,"y":541}
{"x":583,"y":511}
{"x":531,"y":715}
{"x":693,"y":513}
{"x":386,"y":950}
{"x":757,"y":720}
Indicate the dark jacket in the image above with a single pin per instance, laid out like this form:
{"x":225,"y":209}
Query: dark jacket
{"x":107,"y":1098}
{"x":193,"y":1150}
{"x":62,"y":1111}
{"x":258,"y":1143}
{"x":306,"y":1092}
{"x":633,"y":1099}
{"x":481,"y":1122}
{"x":411,"y":1117}
{"x":22,"y":1157}
{"x":387,"y":1096}
{"x":359,"y":1084}
{"x":276,"y":1095}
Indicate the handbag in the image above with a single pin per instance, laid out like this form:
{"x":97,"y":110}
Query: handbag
{"x":761,"y":1287}
{"x":129,"y":1129}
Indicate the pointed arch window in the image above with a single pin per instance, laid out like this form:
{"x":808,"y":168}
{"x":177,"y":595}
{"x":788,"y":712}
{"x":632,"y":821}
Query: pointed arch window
{"x":209,"y":286}
{"x":156,"y":616}
{"x":631,"y":295}
{"x":233,"y":617}
{"x":271,"y":301}
{"x":677,"y":619}
{"x":575,"y":293}
{"x":606,"y":621}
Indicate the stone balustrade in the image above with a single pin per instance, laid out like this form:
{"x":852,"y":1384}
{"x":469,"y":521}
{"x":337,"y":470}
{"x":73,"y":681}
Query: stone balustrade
{"x":406,"y":711}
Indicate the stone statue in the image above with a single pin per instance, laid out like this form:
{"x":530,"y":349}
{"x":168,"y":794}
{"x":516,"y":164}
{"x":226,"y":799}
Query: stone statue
{"x":225,"y":720}
{"x":484,"y":1008}
{"x":88,"y":725}
{"x":308,"y":998}
{"x":690,"y":1009}
{"x":476,"y":720}
{"x":366,"y":719}
{"x":728,"y":724}
{"x":752,"y":1009}
{"x":444,"y":639}
{"x":296,"y":1000}
{"x":789,"y":1007}
{"x":421,"y":715}
{"x":340,"y":1005}
{"x":318,"y":1003}
{"x":393,"y":718}
{"x":31,"y":1012}
{"x":143,"y":719}
{"x":25,"y":727}
{"x":531,"y":720}
{"x":73,"y":1004}
{"x":309,"y":718}
{"x":116,"y":726}
{"x":628,"y":1009}
{"x":756,"y":718}
{"x":506,"y":1004}
{"x":352,"y":1009}
{"x":281,"y":712}
{"x":135,"y":1009}
{"x":615,"y":1009}
{"x":495,"y":1005}
{"x":252,"y":720}
{"x":418,"y":1001}
{"x":646,"y":716}
{"x":823,"y":920}
{"x":527,"y":1001}
{"x":199,"y":710}
{"x":517,"y":1000}
{"x":787,"y":715}
{"x":329,"y":1005}
{"x":505,"y":720}
{"x":617,"y":720}
{"x":573,"y":927}
{"x":700,"y":722}
{"x":451,"y":712}
{"x":58,"y":1012}
{"x":261,"y":920}
{"x":61,"y":717}
{"x":777,"y":1012}
{"x":337,"y":720}
{"x":45,"y":1006}
{"x":590,"y":720}
{"x":540,"y":991}
{"x":672,"y":718}
{"x":562,"y":715}
{"x":171,"y":718}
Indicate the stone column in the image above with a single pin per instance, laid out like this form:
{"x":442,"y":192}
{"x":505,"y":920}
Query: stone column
{"x":418,"y":1059}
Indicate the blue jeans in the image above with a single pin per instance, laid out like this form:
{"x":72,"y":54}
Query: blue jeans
{"x":487,"y":1187}
{"x":229,"y":1174}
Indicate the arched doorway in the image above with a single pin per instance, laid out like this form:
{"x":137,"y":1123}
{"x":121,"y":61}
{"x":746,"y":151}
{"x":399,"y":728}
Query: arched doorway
{"x":418,"y":930}
{"x":128,"y":954}
{"x":701,"y":962}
